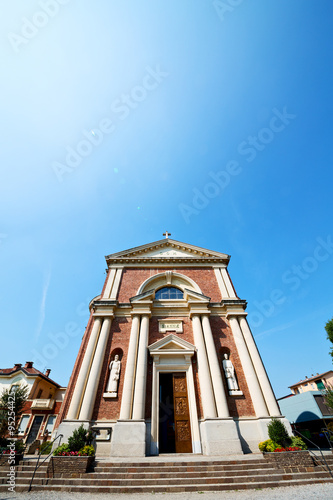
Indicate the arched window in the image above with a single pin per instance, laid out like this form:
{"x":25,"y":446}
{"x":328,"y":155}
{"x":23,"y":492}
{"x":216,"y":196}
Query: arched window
{"x":168,"y":293}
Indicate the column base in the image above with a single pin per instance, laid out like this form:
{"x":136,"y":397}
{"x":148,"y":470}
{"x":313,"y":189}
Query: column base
{"x":129,"y":439}
{"x":219,"y":437}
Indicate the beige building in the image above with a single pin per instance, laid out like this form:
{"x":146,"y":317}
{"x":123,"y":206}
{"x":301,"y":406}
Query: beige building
{"x":317,"y":382}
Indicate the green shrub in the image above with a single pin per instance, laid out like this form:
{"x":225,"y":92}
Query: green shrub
{"x":298,"y":441}
{"x":19,"y":446}
{"x":278,"y":433}
{"x":268,"y":445}
{"x":262,"y":445}
{"x":87,"y":450}
{"x":63,"y":448}
{"x":45,"y":448}
{"x":78,"y":440}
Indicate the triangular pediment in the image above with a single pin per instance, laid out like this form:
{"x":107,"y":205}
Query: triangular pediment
{"x":167,"y":250}
{"x":172,"y":343}
{"x":191,"y":295}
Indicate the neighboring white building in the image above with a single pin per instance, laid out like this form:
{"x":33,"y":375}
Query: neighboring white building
{"x":44,"y":400}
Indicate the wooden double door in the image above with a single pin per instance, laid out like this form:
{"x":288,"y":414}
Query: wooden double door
{"x":174,"y":415}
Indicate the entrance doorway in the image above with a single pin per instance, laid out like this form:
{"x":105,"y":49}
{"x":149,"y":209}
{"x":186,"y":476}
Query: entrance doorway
{"x":35,"y":428}
{"x":174,"y":417}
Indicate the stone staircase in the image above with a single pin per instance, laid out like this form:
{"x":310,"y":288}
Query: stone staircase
{"x":169,"y":476}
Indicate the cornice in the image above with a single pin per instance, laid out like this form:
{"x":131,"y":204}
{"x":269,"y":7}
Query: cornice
{"x":139,"y":256}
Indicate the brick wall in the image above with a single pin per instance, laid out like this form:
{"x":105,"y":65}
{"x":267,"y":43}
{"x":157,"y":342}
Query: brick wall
{"x":239,"y":406}
{"x":132,"y":278}
{"x":119,"y":339}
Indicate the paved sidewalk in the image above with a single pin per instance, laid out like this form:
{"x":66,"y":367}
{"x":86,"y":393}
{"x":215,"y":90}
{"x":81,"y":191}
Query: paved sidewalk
{"x":322,"y":491}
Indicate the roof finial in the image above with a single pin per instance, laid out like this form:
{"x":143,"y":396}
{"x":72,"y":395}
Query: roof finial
{"x":166,"y":234}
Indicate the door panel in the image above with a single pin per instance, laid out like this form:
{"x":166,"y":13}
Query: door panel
{"x":182,"y":414}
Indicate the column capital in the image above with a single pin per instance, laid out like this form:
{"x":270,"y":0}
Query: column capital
{"x":198,"y":310}
{"x":236,"y":314}
{"x":141,"y":310}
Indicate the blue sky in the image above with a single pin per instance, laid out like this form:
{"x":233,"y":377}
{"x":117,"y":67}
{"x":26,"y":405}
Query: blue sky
{"x":160,"y":99}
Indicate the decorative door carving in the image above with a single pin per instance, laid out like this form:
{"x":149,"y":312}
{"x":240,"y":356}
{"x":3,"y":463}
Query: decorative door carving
{"x":182,"y":414}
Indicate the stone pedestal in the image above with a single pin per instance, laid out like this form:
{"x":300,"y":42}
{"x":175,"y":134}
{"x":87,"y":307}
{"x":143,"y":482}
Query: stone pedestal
{"x":66,"y":428}
{"x":220,"y":437}
{"x":128,"y":439}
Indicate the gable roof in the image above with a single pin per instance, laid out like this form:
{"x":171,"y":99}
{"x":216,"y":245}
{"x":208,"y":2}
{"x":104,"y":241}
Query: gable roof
{"x":166,"y":251}
{"x":311,"y":379}
{"x":30,"y":372}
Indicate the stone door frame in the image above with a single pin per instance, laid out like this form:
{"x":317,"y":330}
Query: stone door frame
{"x":173,"y":355}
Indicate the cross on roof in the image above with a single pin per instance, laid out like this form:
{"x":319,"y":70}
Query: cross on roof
{"x":166,"y":234}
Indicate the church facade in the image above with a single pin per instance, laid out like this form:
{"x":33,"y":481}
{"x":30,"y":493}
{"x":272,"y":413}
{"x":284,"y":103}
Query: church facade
{"x":168,"y":363}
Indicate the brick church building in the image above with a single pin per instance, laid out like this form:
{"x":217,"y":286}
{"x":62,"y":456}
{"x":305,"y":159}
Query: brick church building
{"x":168,"y":363}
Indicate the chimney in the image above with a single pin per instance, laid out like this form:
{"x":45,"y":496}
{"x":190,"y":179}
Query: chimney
{"x":28,"y":364}
{"x":47,"y":372}
{"x":17,"y":366}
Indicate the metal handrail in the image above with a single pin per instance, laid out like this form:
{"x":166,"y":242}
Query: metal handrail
{"x":327,"y":431}
{"x":40,"y":452}
{"x":314,"y":444}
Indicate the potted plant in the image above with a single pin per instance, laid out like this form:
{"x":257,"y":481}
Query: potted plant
{"x":282,"y":449}
{"x":74,"y":457}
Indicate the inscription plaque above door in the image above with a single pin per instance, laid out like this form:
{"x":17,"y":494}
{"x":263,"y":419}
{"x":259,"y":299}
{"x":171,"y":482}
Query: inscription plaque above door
{"x":170,"y":325}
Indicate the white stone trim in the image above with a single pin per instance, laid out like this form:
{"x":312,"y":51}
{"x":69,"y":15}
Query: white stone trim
{"x":115,"y":286}
{"x":259,"y":368}
{"x":128,"y":388}
{"x":257,"y":397}
{"x":206,"y":389}
{"x":176,"y":280}
{"x":215,"y":371}
{"x":81,"y":382}
{"x":95,"y":372}
{"x":220,"y":282}
{"x":109,"y":284}
{"x":227,"y":282}
{"x":174,"y":361}
{"x":141,"y":371}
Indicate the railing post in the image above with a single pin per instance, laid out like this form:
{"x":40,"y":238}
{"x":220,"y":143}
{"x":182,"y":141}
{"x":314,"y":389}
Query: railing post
{"x":51,"y":442}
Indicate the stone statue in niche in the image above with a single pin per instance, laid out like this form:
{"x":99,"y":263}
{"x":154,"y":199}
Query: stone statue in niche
{"x":114,"y":367}
{"x":229,"y":371}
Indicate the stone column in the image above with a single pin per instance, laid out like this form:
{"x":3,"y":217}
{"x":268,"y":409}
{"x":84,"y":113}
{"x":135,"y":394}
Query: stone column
{"x":95,"y":372}
{"x":249,"y":372}
{"x":141,"y":371}
{"x":220,"y":397}
{"x":259,"y":368}
{"x":127,"y":397}
{"x":84,"y":371}
{"x":206,"y":389}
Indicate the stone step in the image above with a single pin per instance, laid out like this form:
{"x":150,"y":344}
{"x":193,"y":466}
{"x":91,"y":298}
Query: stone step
{"x":189,"y":463}
{"x":197,"y":487}
{"x":188,"y":482}
{"x":179,"y":475}
{"x":182,"y":468}
{"x":151,"y":483}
